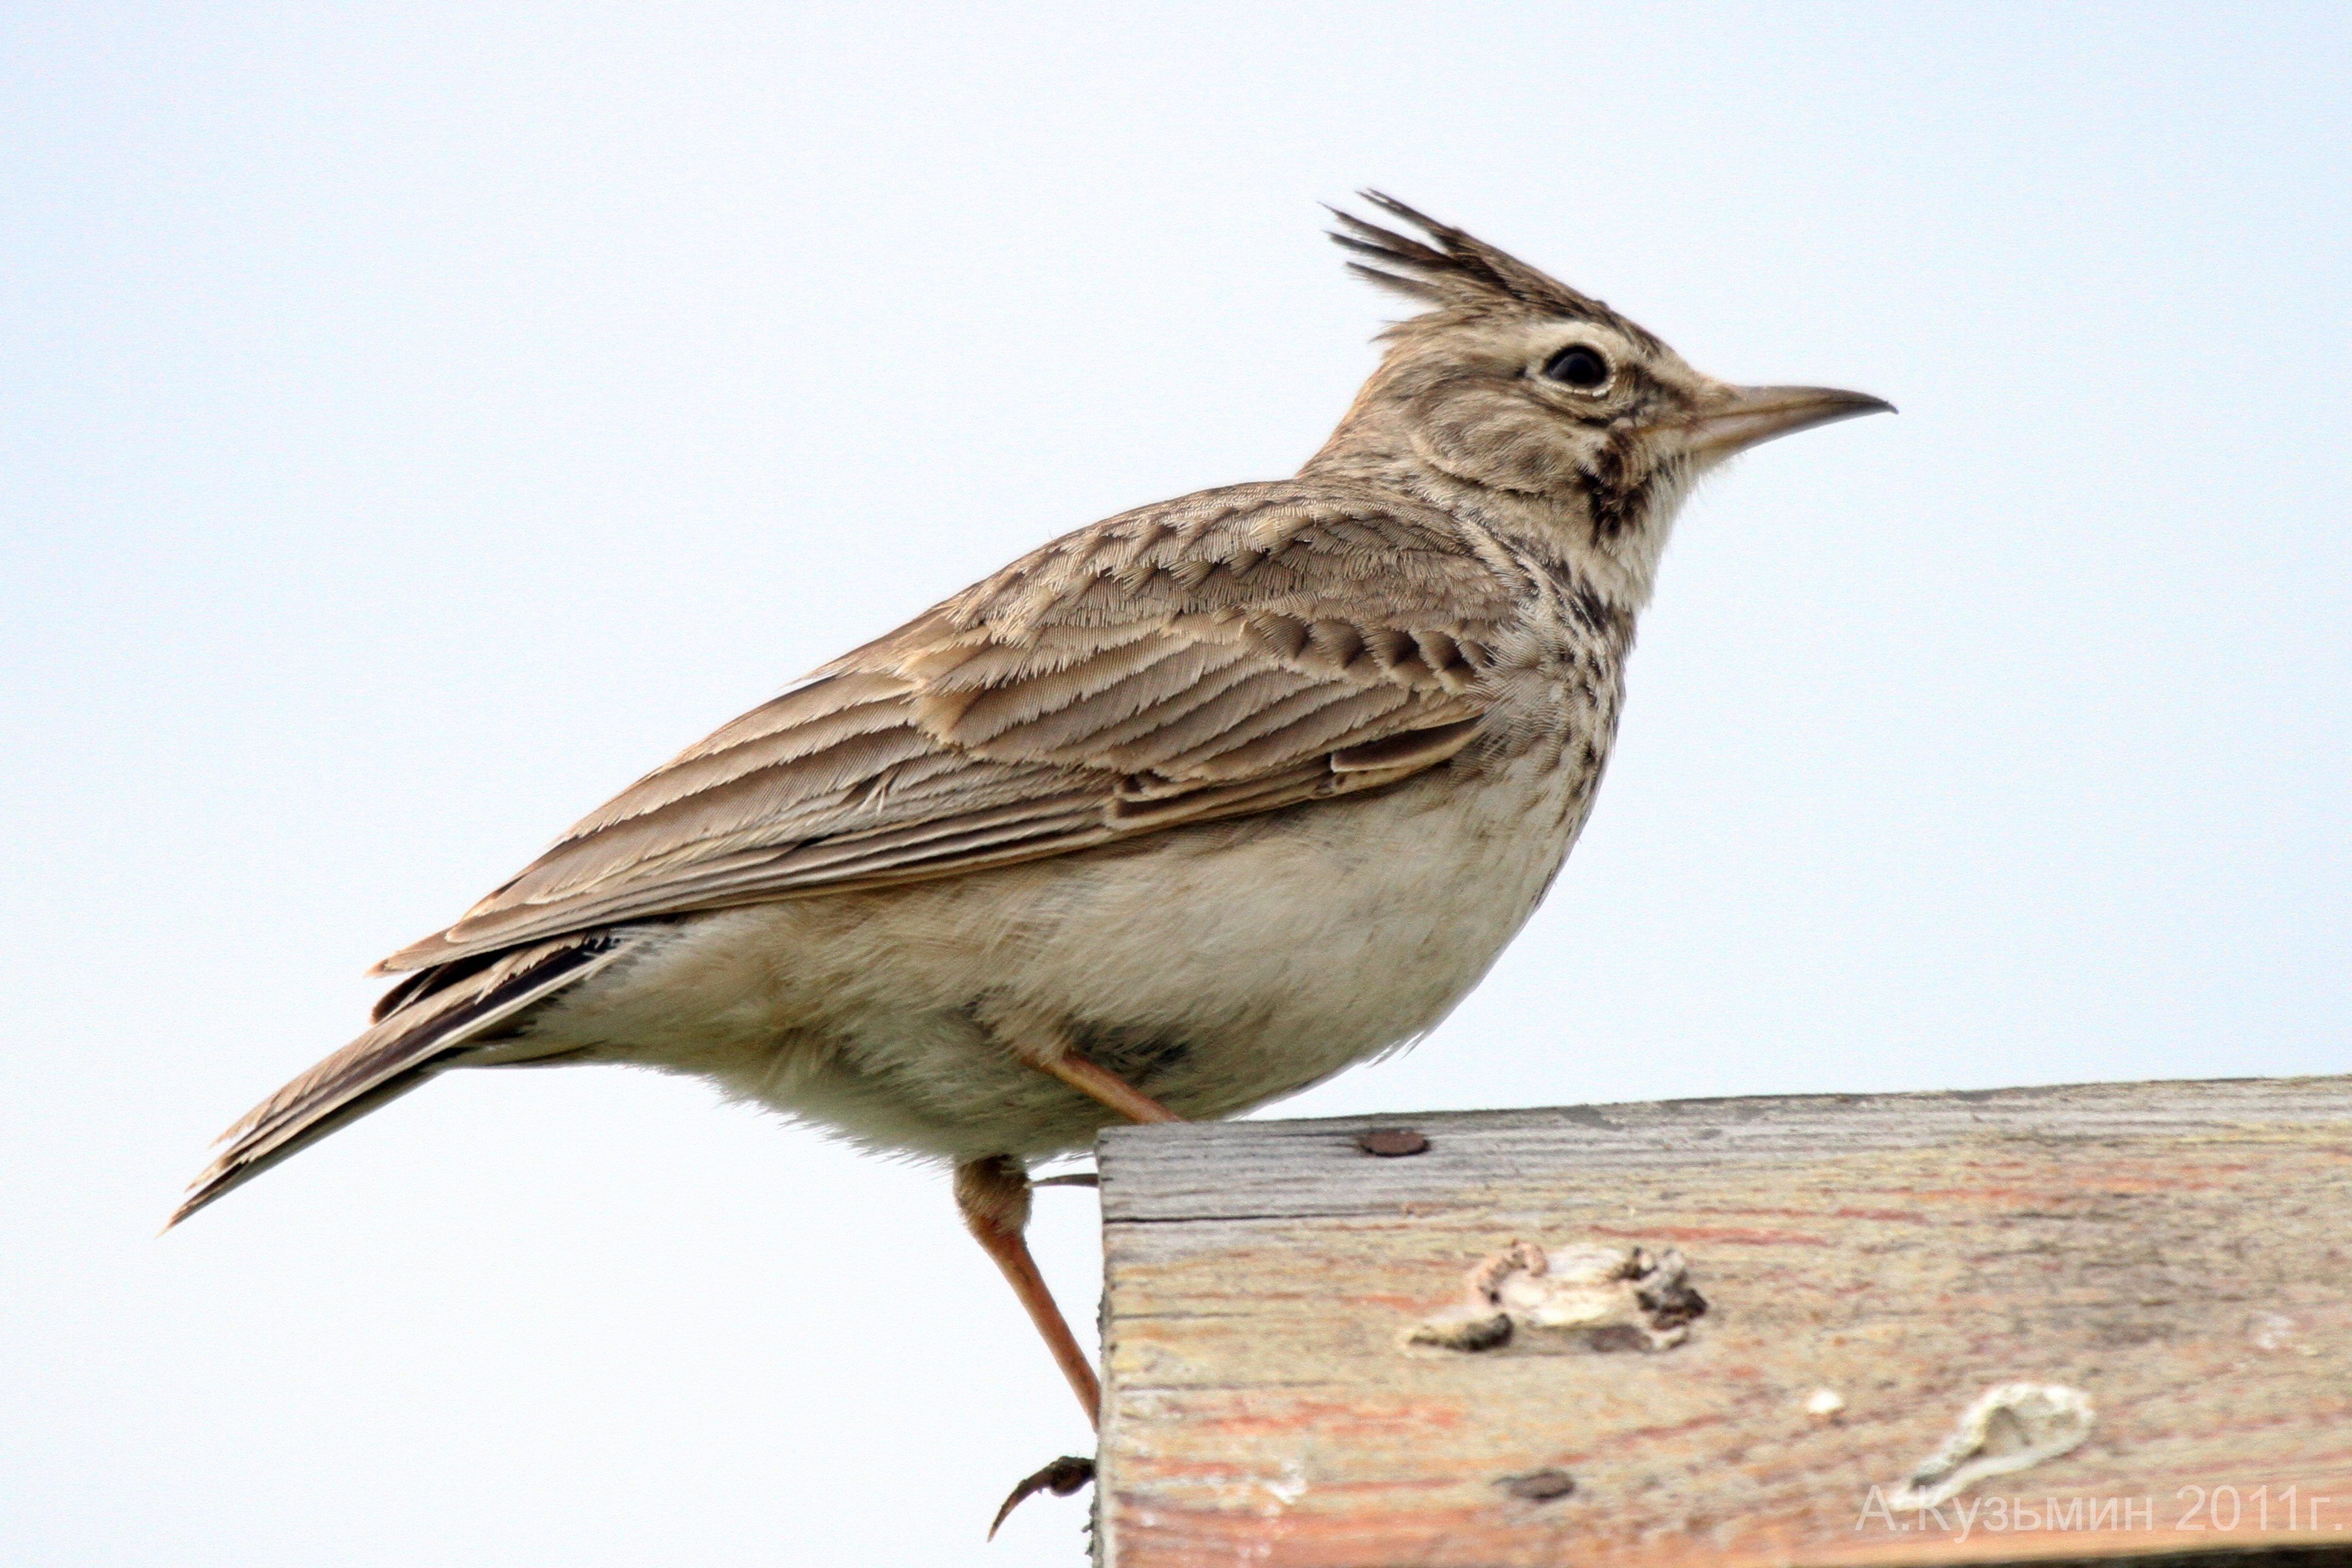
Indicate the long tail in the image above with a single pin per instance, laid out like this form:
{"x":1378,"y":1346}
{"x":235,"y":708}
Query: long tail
{"x":419,"y":1027}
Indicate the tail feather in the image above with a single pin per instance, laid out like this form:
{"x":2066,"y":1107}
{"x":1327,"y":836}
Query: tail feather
{"x":411,"y":1041}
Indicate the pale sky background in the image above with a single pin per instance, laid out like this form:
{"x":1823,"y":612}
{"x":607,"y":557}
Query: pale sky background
{"x":420,"y":419}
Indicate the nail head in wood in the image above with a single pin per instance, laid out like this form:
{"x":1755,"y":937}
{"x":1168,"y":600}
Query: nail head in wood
{"x":1539,"y":1486}
{"x":1393,"y":1143}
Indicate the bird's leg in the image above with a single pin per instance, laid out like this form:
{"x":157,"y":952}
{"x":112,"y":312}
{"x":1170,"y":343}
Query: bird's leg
{"x":1047,"y":1047}
{"x":1108,"y":1087}
{"x":993,"y":1195}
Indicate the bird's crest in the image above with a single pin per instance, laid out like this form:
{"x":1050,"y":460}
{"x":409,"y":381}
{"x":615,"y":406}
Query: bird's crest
{"x":1458,"y":272}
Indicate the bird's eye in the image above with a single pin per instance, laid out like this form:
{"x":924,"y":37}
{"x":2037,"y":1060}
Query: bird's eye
{"x":1577,"y":366}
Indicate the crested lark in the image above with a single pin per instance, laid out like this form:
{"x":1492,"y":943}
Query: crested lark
{"x":1180,"y":814}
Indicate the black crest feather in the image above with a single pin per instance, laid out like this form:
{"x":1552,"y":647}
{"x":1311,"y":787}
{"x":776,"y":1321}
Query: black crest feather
{"x":1456,"y":270}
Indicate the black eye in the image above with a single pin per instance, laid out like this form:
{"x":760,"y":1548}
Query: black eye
{"x":1579,"y":367}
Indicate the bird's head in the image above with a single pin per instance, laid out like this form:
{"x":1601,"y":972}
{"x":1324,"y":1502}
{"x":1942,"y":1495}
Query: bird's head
{"x":1514,"y":393}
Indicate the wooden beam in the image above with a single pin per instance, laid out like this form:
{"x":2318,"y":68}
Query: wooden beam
{"x":1322,"y":1357}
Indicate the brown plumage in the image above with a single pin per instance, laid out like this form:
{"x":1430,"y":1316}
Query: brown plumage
{"x":1230,"y":652}
{"x":1177,"y":814}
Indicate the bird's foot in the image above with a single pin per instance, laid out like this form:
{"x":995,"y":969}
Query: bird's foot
{"x":1063,"y":1476}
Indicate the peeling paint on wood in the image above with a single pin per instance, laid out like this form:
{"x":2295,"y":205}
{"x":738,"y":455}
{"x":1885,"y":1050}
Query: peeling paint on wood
{"x":2175,"y":1254}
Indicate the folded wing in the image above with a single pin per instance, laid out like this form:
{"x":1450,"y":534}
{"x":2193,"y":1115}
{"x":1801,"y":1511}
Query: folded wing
{"x":1230,"y":653}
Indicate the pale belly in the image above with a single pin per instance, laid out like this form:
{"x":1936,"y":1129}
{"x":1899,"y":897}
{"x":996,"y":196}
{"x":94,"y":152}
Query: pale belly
{"x":1215,"y":968}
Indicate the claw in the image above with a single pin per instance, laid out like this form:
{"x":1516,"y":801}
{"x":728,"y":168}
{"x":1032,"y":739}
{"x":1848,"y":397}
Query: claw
{"x":1063,"y":1476}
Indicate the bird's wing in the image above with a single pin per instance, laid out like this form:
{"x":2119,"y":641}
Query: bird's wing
{"x":1230,"y":653}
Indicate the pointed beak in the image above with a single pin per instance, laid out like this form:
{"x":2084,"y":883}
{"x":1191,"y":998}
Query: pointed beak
{"x":1750,"y":415}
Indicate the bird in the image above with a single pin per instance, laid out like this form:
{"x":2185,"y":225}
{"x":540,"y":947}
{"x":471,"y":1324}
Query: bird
{"x":1173,"y":816}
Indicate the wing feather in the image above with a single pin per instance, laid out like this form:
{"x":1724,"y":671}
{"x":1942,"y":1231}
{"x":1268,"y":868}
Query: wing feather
{"x":1229,"y":653}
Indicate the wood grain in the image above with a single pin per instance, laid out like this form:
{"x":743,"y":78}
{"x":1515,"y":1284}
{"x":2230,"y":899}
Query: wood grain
{"x":2175,"y":1251}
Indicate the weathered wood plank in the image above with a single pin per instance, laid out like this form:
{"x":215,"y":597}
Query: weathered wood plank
{"x":2174,"y":1254}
